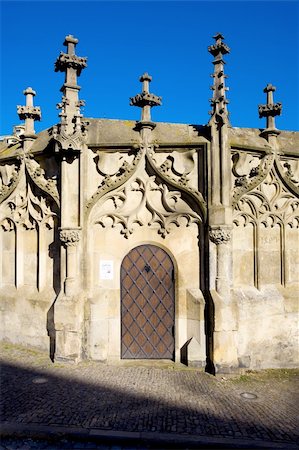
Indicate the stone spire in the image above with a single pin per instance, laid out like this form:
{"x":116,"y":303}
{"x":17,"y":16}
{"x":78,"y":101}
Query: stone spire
{"x":29,"y":113}
{"x":270,"y":110}
{"x":70,"y":105}
{"x":145,"y":100}
{"x":219,"y":112}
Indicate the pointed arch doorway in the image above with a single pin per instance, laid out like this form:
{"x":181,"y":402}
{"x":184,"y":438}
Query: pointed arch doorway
{"x":147,"y":304}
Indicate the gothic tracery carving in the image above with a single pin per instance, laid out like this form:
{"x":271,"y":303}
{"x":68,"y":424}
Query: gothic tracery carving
{"x":270,"y":203}
{"x":269,"y":206}
{"x":29,"y":210}
{"x":118,"y":179}
{"x":145,"y":203}
{"x":9,"y":176}
{"x":111,"y":163}
{"x":181,"y":182}
{"x":249,"y":171}
{"x":179,"y":166}
{"x":288,"y":169}
{"x":37,"y":174}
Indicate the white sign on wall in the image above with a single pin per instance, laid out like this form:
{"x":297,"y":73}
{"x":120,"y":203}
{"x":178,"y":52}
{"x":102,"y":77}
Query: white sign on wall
{"x":106,"y":270}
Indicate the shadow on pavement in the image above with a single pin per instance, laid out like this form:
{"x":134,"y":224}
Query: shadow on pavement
{"x":191,"y":406}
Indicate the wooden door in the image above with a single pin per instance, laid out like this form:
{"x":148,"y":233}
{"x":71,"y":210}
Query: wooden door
{"x":147,"y":304}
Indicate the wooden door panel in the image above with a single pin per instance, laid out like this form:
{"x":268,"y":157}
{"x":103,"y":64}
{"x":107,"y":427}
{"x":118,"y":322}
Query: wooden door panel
{"x":147,"y":304}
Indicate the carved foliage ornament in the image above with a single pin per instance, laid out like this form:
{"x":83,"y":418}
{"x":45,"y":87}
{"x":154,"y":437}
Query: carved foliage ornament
{"x":69,"y":236}
{"x":220,"y":235}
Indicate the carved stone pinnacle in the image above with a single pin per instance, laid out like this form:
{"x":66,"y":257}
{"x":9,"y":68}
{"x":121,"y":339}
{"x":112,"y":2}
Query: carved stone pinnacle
{"x":29,"y":112}
{"x":270,"y":110}
{"x":145,"y":99}
{"x":70,"y":126}
{"x":219,"y":112}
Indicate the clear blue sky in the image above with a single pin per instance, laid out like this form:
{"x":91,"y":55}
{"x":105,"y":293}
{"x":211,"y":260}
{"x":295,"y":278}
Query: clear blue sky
{"x":169,"y":40}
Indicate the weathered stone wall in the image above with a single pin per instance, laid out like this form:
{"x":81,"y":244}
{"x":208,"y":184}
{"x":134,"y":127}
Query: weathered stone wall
{"x":152,"y":205}
{"x":265,"y":257}
{"x":29,"y":261}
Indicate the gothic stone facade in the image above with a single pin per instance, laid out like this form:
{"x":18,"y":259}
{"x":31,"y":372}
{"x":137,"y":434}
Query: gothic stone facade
{"x":143,"y":240}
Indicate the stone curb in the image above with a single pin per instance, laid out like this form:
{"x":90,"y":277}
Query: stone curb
{"x":166,"y":440}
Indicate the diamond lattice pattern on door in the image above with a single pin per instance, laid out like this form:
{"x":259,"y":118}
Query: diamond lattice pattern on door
{"x":147,"y":304}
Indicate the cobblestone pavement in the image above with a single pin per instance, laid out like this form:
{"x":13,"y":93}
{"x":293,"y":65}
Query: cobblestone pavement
{"x":149,"y":400}
{"x":63,"y":444}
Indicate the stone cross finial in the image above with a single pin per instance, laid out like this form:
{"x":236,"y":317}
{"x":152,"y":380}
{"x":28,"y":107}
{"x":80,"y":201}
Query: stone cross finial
{"x":69,"y":62}
{"x":29,"y":112}
{"x":145,"y":80}
{"x":145,"y":100}
{"x":219,"y":112}
{"x":70,"y":42}
{"x":72,"y":65}
{"x":271,"y":109}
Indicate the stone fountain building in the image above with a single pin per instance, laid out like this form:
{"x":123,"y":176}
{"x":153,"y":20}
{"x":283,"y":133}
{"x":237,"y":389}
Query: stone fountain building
{"x":143,"y":240}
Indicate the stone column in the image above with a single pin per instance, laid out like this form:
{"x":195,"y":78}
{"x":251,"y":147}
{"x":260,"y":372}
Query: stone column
{"x":69,"y":307}
{"x":70,"y":238}
{"x":225,"y":323}
{"x":221,"y":236}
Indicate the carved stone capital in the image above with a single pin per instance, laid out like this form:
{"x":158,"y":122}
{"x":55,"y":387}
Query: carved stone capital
{"x":69,"y":236}
{"x":220,"y":235}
